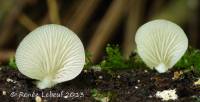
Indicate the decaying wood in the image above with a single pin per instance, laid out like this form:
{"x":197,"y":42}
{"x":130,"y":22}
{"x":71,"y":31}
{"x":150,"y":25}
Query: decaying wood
{"x":53,"y":11}
{"x":27,"y":22}
{"x":104,"y":31}
{"x":82,"y":14}
{"x":135,"y":10}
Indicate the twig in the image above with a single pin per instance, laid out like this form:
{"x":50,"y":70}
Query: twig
{"x":27,"y":22}
{"x":104,"y":31}
{"x":53,"y":11}
{"x":9,"y":22}
{"x":82,"y":14}
{"x":135,"y":10}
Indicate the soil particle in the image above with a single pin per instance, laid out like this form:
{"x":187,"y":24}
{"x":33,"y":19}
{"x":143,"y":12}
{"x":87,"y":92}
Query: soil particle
{"x":131,"y":85}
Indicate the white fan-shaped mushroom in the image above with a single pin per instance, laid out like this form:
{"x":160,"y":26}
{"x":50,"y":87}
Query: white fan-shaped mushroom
{"x":51,"y":54}
{"x":160,"y":44}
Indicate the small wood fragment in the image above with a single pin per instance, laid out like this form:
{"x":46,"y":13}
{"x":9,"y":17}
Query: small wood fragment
{"x":104,"y":31}
{"x":53,"y":11}
{"x":27,"y":22}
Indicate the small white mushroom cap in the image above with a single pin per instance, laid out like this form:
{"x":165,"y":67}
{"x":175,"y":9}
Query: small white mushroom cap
{"x":160,"y":44}
{"x":51,"y":54}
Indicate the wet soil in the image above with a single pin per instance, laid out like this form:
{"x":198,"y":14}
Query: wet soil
{"x":131,"y":85}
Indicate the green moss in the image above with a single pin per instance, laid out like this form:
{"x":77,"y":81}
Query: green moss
{"x":114,"y":58}
{"x":197,"y":99}
{"x":101,"y":96}
{"x":88,"y":62}
{"x":135,"y":61}
{"x":191,"y":59}
{"x":12,"y":63}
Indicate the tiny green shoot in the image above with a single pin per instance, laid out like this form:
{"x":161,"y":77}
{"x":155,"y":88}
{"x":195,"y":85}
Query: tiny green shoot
{"x":12,"y":63}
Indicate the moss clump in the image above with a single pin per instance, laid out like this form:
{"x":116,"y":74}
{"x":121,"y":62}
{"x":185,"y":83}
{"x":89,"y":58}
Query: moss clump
{"x":135,"y":61}
{"x":115,"y":60}
{"x":12,"y":63}
{"x":191,"y":59}
{"x":102,"y":96}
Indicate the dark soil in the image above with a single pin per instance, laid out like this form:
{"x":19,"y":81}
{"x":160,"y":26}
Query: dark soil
{"x":133,"y":85}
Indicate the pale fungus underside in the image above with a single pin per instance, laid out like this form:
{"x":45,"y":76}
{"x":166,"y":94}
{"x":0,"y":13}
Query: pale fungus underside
{"x":161,"y":44}
{"x":51,"y":54}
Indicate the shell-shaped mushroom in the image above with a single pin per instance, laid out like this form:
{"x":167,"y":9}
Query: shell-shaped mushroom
{"x":160,"y":44}
{"x":51,"y":54}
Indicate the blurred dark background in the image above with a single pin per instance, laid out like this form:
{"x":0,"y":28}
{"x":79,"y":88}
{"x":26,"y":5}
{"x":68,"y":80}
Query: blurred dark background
{"x":96,"y":22}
